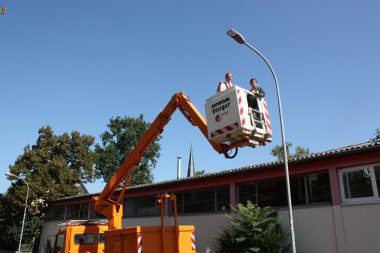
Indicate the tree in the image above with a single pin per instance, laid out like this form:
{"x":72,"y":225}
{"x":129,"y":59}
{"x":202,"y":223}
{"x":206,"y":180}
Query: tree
{"x":278,"y":152}
{"x":200,"y":173}
{"x":117,"y":144}
{"x":52,"y":167}
{"x":11,"y":232}
{"x":54,"y":164}
{"x":377,"y":135}
{"x":252,"y":229}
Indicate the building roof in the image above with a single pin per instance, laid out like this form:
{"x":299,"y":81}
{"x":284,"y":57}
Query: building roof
{"x":343,"y":151}
{"x":356,"y":148}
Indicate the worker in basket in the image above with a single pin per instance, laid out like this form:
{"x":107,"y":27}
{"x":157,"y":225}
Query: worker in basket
{"x":222,"y":86}
{"x":257,"y":93}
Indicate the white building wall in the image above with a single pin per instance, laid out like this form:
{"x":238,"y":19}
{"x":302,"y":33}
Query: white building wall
{"x":345,"y":229}
{"x":361,"y":227}
{"x":314,"y":228}
{"x":49,"y":230}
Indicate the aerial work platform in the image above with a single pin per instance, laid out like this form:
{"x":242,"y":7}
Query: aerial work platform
{"x":230,"y":118}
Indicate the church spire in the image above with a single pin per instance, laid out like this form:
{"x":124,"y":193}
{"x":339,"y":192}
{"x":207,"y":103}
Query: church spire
{"x":191,"y":167}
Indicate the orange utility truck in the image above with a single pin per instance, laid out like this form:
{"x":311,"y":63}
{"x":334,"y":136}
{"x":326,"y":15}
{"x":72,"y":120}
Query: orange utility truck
{"x":81,"y":237}
{"x":231,"y":124}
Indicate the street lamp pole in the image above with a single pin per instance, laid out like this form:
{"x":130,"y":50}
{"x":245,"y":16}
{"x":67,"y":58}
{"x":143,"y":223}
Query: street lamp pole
{"x":26,"y":203}
{"x":240,"y":39}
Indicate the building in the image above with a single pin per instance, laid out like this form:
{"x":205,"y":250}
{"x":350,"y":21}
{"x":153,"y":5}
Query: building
{"x":335,"y":197}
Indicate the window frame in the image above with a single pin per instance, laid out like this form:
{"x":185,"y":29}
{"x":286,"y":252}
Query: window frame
{"x":86,"y":236}
{"x":181,"y":204}
{"x":306,"y":190}
{"x":56,"y":212}
{"x":59,"y":241}
{"x":100,"y":238}
{"x":84,"y":208}
{"x":375,"y":198}
{"x":254,"y":184}
{"x":153,"y":206}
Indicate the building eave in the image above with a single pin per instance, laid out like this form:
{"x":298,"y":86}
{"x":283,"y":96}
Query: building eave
{"x":329,"y":154}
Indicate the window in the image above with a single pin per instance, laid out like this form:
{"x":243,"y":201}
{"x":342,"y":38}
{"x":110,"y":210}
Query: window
{"x":377,"y":174}
{"x":305,"y":190}
{"x":56,"y":212}
{"x":142,"y":206}
{"x":247,"y":192}
{"x":298,"y":190}
{"x":223,"y":199}
{"x":96,"y":215}
{"x":100,"y":238}
{"x":318,"y":188}
{"x":60,"y":240}
{"x":272,"y":193}
{"x":199,"y":201}
{"x":204,"y":201}
{"x":84,"y":238}
{"x":77,"y":211}
{"x":360,"y":183}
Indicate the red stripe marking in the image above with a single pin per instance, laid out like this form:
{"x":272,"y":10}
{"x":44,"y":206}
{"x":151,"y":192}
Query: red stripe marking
{"x":139,"y":245}
{"x":229,"y":128}
{"x":193,"y":245}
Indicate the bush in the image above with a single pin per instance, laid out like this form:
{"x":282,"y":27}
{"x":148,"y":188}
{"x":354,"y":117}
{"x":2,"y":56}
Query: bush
{"x":253,"y":229}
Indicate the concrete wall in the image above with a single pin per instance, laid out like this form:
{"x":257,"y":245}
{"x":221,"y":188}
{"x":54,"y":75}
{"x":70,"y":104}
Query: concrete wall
{"x":361,"y":225}
{"x":313,"y":227}
{"x":49,"y":230}
{"x":342,"y":229}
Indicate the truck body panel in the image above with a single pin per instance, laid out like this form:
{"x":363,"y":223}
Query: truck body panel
{"x":81,"y":238}
{"x":150,"y":240}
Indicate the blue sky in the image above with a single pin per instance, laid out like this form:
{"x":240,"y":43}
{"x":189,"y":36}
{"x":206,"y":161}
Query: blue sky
{"x":75,"y":64}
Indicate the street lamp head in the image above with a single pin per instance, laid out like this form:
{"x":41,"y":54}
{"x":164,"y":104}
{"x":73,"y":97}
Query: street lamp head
{"x":236,"y":36}
{"x":10,"y":174}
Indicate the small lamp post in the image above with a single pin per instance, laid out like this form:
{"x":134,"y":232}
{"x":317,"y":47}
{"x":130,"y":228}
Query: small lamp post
{"x":26,"y":203}
{"x":240,"y":39}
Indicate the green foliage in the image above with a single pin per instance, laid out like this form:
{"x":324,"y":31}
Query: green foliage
{"x":33,"y":225}
{"x":117,"y":144}
{"x":253,"y":229}
{"x":278,"y":152}
{"x":52,"y":167}
{"x":9,"y":238}
{"x":200,"y":173}
{"x":376,"y":135}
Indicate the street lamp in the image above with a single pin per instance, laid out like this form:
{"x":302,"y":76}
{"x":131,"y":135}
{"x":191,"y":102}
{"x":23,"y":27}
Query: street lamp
{"x":26,"y":203}
{"x":240,"y":39}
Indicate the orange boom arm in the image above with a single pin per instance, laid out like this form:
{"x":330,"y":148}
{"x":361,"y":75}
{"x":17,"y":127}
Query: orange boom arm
{"x":104,"y":204}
